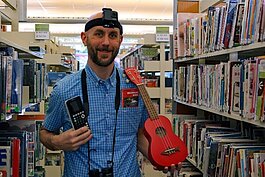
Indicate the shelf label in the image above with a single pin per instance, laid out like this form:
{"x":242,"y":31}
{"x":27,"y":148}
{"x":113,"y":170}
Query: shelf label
{"x":162,"y":34}
{"x":42,"y":31}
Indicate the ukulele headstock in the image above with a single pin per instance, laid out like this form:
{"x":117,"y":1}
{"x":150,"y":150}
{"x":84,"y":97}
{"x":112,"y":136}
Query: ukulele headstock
{"x":133,"y":75}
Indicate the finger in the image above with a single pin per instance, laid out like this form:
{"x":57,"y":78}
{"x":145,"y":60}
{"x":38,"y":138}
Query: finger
{"x":172,"y":168}
{"x":165,"y":170}
{"x":84,"y":141}
{"x":80,"y":130}
{"x":179,"y":166}
{"x":82,"y":136}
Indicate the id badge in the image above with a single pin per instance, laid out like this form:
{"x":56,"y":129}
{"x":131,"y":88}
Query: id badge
{"x":130,"y":97}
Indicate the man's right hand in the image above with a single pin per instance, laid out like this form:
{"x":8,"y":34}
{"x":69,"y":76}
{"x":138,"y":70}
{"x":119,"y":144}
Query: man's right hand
{"x":71,"y":140}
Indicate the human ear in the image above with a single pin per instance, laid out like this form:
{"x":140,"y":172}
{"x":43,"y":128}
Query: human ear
{"x":84,"y":38}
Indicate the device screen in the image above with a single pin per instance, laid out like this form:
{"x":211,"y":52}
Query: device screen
{"x":75,"y":106}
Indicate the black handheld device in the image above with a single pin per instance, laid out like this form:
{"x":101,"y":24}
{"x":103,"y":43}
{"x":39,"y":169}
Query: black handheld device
{"x":76,"y":112}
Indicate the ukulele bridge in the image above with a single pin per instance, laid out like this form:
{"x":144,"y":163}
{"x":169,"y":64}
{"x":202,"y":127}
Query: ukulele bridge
{"x":170,"y":151}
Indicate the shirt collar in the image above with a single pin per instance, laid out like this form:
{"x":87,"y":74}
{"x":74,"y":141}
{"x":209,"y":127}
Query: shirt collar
{"x":92,"y":75}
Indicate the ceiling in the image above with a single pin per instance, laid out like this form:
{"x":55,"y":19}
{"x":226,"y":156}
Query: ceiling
{"x":129,"y":10}
{"x":61,"y":14}
{"x":136,"y":16}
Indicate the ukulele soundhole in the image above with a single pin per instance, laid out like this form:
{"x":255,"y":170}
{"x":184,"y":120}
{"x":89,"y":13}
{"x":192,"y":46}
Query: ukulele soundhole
{"x":160,"y":131}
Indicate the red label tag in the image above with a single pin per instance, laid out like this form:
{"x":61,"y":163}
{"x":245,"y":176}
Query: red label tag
{"x":130,"y":97}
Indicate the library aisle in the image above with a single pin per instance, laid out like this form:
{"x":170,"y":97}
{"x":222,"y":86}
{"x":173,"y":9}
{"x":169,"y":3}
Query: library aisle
{"x":206,"y":76}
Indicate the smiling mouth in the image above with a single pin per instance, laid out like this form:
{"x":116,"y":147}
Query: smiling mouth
{"x":104,"y":54}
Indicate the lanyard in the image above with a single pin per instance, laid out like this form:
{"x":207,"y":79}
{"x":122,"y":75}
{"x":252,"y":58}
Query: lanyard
{"x":86,"y":108}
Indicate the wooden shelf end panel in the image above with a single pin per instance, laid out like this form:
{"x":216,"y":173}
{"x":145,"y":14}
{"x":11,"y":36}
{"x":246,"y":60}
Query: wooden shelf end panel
{"x":188,"y":7}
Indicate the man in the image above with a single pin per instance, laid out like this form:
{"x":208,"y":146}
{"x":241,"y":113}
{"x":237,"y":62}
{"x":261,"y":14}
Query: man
{"x":109,"y":146}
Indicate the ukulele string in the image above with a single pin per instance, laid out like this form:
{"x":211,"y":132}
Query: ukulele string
{"x":166,"y":141}
{"x":152,"y":114}
{"x":156,"y":121}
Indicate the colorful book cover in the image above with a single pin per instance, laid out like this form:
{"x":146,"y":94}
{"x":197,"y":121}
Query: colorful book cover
{"x":258,"y":159}
{"x":231,"y":12}
{"x":260,"y":90}
{"x":5,"y":160}
{"x":19,"y":151}
{"x":2,"y":88}
{"x":17,"y":86}
{"x":233,"y":86}
{"x":53,"y":77}
{"x":9,"y":62}
{"x":243,"y":35}
{"x":237,"y":28}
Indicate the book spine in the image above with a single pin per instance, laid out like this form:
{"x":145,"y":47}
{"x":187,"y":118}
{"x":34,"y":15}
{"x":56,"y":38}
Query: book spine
{"x":15,"y":157}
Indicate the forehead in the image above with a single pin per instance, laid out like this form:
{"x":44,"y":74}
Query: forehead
{"x":101,"y":28}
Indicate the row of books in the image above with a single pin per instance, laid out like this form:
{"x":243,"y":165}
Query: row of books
{"x":236,"y":23}
{"x":236,"y":87}
{"x":20,"y":148}
{"x":11,"y":82}
{"x":15,"y":74}
{"x":218,"y":150}
{"x":35,"y":77}
{"x":132,"y":60}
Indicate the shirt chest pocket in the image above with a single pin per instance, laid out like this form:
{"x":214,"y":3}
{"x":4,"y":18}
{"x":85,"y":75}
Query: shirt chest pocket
{"x":129,"y":120}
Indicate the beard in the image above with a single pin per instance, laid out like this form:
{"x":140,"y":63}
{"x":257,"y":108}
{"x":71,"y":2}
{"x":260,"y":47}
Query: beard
{"x":93,"y":53}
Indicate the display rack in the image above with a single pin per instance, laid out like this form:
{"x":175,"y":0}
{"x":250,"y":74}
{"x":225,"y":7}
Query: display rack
{"x":210,"y":162}
{"x":15,"y":52}
{"x":151,"y":58}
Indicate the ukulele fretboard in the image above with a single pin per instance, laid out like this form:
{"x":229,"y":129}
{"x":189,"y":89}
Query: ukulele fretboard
{"x":147,"y":101}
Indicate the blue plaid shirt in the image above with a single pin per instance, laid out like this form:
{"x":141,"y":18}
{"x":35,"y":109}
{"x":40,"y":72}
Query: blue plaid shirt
{"x":101,"y":120}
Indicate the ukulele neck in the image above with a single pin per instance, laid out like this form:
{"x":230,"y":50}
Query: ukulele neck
{"x":147,"y":101}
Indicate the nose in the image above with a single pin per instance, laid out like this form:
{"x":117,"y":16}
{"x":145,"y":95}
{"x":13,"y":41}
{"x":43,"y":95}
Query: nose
{"x":105,"y":40}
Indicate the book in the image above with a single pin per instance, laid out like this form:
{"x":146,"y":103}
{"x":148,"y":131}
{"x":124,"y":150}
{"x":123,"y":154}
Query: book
{"x":19,"y":151}
{"x":17,"y":86}
{"x":245,"y":154}
{"x":258,"y":158}
{"x":237,"y":26}
{"x":30,"y":79}
{"x":5,"y":160}
{"x":235,"y":90}
{"x":260,"y":90}
{"x":231,"y":12}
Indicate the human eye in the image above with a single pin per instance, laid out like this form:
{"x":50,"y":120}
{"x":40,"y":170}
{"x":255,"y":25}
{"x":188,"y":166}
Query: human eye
{"x":113,"y":35}
{"x":98,"y":33}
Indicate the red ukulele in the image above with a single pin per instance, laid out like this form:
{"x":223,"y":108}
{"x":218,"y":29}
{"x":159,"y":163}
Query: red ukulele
{"x":165,"y":147}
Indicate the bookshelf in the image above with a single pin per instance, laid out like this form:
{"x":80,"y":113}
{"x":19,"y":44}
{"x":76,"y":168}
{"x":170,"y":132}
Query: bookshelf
{"x":11,"y":14}
{"x":14,"y":51}
{"x":23,"y":47}
{"x":199,"y":94}
{"x":151,"y":58}
{"x":15,"y":42}
{"x":7,"y":40}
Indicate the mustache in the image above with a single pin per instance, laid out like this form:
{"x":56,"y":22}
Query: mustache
{"x":105,"y":49}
